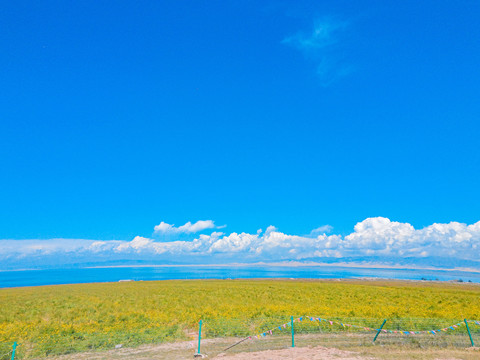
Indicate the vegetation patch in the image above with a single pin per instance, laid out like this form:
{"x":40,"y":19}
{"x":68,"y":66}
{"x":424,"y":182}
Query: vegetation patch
{"x":64,"y":319}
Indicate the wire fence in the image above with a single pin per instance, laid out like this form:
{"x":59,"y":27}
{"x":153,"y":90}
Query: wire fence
{"x":215,"y":336}
{"x":8,"y":351}
{"x":272,"y":334}
{"x":4,"y":352}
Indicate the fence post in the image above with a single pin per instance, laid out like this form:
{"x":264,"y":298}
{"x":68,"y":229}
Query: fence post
{"x":293,"y":332}
{"x":378,"y":332}
{"x":199,"y":335}
{"x":469,"y":334}
{"x":13,"y":351}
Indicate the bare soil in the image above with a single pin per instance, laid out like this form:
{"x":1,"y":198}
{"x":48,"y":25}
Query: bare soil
{"x":305,"y":353}
{"x":186,"y":350}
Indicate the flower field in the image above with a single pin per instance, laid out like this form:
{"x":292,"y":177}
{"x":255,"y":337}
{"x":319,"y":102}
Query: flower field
{"x":70,"y":318}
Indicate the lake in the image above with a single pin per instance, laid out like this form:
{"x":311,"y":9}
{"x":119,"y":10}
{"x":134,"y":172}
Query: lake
{"x":114,"y":274}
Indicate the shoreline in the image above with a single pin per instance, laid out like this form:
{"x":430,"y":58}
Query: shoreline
{"x":238,"y":271}
{"x":365,"y":280}
{"x":286,"y":264}
{"x":293,"y":264}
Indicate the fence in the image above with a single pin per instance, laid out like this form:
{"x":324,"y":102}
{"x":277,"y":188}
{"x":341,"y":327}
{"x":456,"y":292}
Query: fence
{"x":215,"y":336}
{"x":238,"y":336}
{"x":8,"y":351}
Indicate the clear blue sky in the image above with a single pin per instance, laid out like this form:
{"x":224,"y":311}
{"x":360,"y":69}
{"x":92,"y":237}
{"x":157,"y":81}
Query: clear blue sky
{"x":117,"y":115}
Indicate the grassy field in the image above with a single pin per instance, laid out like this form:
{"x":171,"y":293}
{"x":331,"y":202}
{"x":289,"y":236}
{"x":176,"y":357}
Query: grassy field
{"x":69,"y":318}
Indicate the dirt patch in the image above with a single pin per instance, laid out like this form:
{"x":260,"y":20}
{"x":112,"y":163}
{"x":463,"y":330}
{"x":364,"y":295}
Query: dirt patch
{"x":185,"y":350}
{"x":215,"y":348}
{"x":169,"y":351}
{"x":305,"y":353}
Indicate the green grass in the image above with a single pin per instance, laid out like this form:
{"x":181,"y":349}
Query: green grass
{"x":70,"y":318}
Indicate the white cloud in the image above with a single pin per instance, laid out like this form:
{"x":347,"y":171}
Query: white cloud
{"x":234,"y":243}
{"x":379,"y":234}
{"x":163,"y":227}
{"x":376,"y":237}
{"x":188,"y":228}
{"x":324,"y":34}
{"x":321,"y":46}
{"x":31,"y":247}
{"x":325,"y":229}
{"x":138,"y":243}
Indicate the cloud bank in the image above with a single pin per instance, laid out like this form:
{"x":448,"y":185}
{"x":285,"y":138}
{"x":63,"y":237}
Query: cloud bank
{"x":377,"y":240}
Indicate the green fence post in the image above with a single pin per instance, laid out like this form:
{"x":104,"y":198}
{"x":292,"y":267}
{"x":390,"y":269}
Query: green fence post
{"x":378,"y":332}
{"x":469,"y":334}
{"x":13,"y":351}
{"x":293,"y":332}
{"x":199,"y":335}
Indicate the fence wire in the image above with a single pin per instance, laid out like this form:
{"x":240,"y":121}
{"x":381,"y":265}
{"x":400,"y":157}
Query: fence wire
{"x":269,"y":333}
{"x":6,"y":351}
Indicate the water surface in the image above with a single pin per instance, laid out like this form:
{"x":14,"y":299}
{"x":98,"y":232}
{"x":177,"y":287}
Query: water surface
{"x":114,"y":274}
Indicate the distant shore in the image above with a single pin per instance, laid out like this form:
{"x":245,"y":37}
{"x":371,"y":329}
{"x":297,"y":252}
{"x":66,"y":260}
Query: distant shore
{"x":282,"y":270}
{"x":284,"y":264}
{"x":291,"y":264}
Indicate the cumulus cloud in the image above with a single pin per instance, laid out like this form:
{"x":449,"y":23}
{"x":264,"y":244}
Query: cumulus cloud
{"x":376,"y":237}
{"x":321,"y":46}
{"x":325,"y":229}
{"x":188,"y":228}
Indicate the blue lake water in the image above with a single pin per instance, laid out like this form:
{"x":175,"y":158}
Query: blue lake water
{"x":114,"y":274}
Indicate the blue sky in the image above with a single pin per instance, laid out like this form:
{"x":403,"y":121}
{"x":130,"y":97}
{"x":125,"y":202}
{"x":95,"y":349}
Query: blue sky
{"x":117,"y":116}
